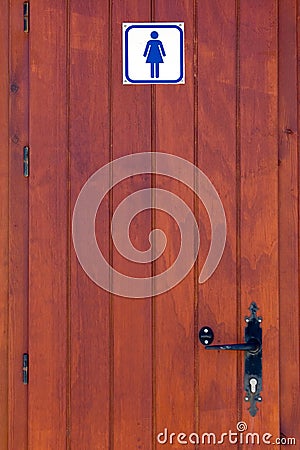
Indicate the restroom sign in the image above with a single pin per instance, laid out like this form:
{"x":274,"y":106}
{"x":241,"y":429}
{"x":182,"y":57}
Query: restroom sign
{"x":153,"y":53}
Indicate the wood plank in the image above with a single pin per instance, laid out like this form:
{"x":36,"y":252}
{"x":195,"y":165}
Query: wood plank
{"x":217,"y":157}
{"x":4,"y":177}
{"x":89,"y":308}
{"x":18,"y":233}
{"x":132,"y":322}
{"x":259,"y":194}
{"x":48,"y":215}
{"x":288,"y":221}
{"x":174,"y":372}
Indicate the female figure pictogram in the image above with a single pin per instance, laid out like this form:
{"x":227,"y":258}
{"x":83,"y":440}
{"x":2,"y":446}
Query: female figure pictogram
{"x":154,"y":52}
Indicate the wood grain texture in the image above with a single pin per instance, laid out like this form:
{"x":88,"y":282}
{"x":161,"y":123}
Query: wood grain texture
{"x":18,"y":233}
{"x":174,"y":310}
{"x":48,"y":232}
{"x":89,"y":309}
{"x":219,"y":386}
{"x":288,"y":220}
{"x":4,"y":226}
{"x":132,"y":320}
{"x":259,"y":193}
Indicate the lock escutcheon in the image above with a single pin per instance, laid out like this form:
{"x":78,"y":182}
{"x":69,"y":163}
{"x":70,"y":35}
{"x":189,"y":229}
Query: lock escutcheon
{"x":252,"y":347}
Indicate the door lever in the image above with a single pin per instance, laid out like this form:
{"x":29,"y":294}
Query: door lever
{"x":253,"y":355}
{"x":252,"y":346}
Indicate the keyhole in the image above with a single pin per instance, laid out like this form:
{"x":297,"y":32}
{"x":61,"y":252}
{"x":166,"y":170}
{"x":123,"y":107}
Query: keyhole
{"x":253,"y":384}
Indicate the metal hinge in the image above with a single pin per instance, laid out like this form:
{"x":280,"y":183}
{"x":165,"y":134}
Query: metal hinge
{"x":25,"y":368}
{"x":26,"y":161}
{"x":26,"y":17}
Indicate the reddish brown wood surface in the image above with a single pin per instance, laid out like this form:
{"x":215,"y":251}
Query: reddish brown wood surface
{"x":89,"y":309}
{"x":259,"y":193}
{"x":4,"y":229}
{"x":48,"y":232}
{"x":289,"y":221}
{"x":132,"y":321}
{"x":219,"y":387}
{"x":18,"y":231}
{"x":174,"y":372}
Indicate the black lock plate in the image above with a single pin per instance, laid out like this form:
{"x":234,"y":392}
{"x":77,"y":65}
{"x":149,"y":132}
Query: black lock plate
{"x":206,"y":335}
{"x":253,"y":361}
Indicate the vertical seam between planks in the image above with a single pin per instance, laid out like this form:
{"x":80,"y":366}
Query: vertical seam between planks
{"x":196,"y":213}
{"x":9,"y":227}
{"x":69,"y":223}
{"x":298,"y":159}
{"x":278,"y":218}
{"x":279,"y":197}
{"x":110,"y":249}
{"x":153,"y":265}
{"x":9,"y":328}
{"x":278,"y":209}
{"x":238,"y":206}
{"x":279,"y":200}
{"x":153,"y":221}
{"x":8,"y":221}
{"x":28,"y":228}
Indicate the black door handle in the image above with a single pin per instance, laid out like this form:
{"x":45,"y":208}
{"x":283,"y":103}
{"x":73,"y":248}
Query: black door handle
{"x":253,"y":355}
{"x":252,"y":346}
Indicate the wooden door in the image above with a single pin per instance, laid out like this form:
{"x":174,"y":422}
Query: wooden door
{"x":114,"y":372}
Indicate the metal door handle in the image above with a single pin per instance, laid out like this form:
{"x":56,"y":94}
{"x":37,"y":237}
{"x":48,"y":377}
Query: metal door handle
{"x":252,"y":346}
{"x":253,"y":355}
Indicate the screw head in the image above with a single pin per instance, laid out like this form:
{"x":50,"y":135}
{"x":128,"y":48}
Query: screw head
{"x":247,"y":319}
{"x":246,"y":399}
{"x":259,"y":399}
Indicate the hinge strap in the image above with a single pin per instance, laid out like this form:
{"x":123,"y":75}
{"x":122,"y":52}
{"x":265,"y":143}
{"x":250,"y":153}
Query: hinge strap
{"x":25,"y":368}
{"x":26,"y":161}
{"x":26,"y":17}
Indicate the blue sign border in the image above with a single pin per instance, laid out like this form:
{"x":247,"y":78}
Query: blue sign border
{"x":153,"y":26}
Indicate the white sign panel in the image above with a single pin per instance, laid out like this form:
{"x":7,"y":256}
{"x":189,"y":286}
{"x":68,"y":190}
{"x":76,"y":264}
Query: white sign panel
{"x":153,"y":53}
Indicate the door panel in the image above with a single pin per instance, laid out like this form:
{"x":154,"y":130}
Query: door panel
{"x":288,"y":161}
{"x":48,"y":230}
{"x":112,"y":372}
{"x":4,"y":202}
{"x":132,"y":322}
{"x":14,"y":228}
{"x":18,"y":227}
{"x":89,"y":307}
{"x":259,"y":192}
{"x":174,"y":311}
{"x":217,"y":155}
